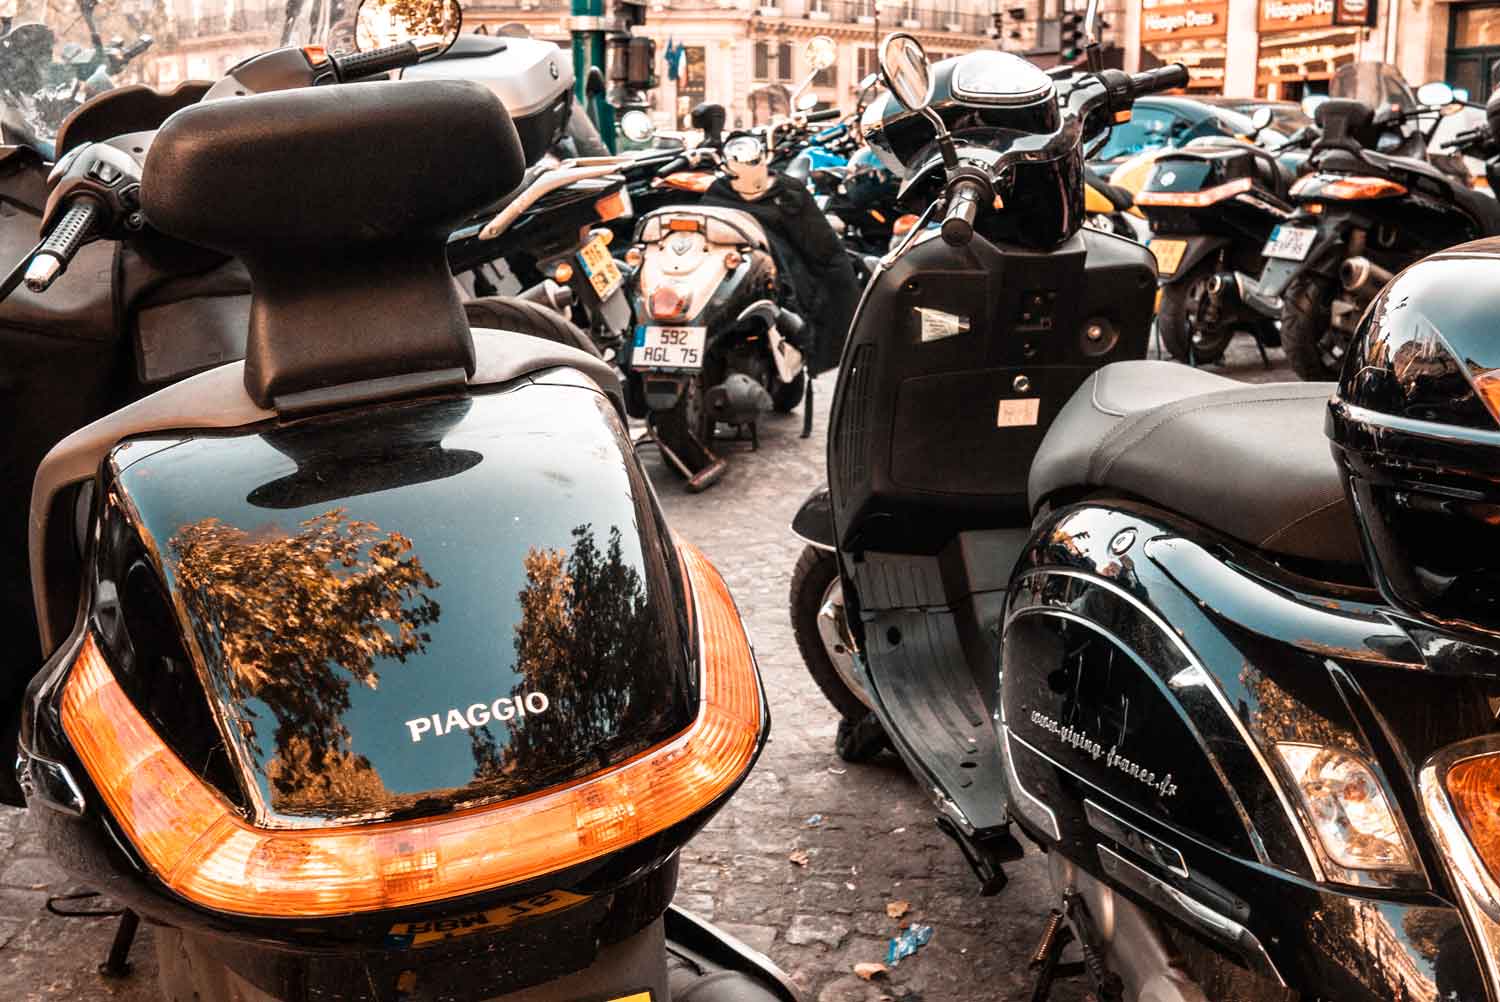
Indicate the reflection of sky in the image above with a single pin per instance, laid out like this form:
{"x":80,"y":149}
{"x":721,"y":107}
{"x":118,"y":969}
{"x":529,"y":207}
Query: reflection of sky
{"x":547,"y":468}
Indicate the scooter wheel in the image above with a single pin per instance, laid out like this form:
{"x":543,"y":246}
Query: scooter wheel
{"x":1305,"y":308}
{"x":814,"y":583}
{"x":1179,"y":301}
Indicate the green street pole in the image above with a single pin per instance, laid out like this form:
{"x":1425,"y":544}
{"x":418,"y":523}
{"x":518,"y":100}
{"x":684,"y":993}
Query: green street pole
{"x":587,"y":27}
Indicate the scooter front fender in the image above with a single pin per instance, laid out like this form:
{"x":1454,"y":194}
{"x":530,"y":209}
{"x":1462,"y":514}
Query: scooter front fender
{"x":813,"y":523}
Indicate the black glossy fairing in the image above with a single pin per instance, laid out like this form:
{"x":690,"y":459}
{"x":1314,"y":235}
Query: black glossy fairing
{"x":399,"y":611}
{"x":1150,"y":669}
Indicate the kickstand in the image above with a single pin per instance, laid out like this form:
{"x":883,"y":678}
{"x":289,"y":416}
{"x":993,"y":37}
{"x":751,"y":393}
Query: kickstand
{"x":807,"y":406}
{"x":117,"y":964}
{"x":1264,"y":358}
{"x":710,"y":469}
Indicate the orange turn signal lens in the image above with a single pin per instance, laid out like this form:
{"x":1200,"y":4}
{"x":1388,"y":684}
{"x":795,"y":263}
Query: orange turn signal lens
{"x":688,"y":180}
{"x":634,"y":257}
{"x":666,"y":304}
{"x":611,"y":206}
{"x":1195,"y":199}
{"x":1487,"y":385}
{"x":732,"y":259}
{"x":1346,"y":188}
{"x":903,"y":224}
{"x":682,"y":224}
{"x":1474,"y":788}
{"x":205,"y":852}
{"x":563,"y":273}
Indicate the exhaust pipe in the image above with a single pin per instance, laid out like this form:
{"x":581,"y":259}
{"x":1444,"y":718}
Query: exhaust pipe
{"x":1362,"y":277}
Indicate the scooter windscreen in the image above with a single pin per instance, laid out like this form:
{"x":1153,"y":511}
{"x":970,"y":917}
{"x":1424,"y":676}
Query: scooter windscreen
{"x":380,"y":658}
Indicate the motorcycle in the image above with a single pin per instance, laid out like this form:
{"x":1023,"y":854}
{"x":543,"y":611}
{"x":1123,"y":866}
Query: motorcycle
{"x":1212,"y":205}
{"x":239,"y":582}
{"x":714,"y":342}
{"x":1246,"y":687}
{"x":969,"y":337}
{"x":1362,"y":215}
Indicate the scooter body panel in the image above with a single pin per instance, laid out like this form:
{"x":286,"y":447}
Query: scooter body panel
{"x":1150,"y":671}
{"x":956,"y":364}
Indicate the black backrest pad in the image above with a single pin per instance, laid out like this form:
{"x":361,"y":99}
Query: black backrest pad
{"x":339,"y":200}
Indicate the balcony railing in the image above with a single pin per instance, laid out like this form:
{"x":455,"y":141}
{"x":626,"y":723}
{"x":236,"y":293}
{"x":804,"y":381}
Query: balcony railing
{"x":913,"y":16}
{"x":264,"y":19}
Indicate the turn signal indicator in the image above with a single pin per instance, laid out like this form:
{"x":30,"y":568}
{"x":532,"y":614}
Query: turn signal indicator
{"x":200,"y":848}
{"x":1346,"y":188}
{"x":1474,"y":788}
{"x":1195,"y":199}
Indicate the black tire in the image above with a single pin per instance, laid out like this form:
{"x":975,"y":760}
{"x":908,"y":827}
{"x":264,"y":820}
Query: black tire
{"x":507,"y":313}
{"x":687,"y":419}
{"x":1174,"y":324}
{"x":861,"y":740}
{"x":786,"y":396}
{"x":816,"y":569}
{"x":1306,"y":308}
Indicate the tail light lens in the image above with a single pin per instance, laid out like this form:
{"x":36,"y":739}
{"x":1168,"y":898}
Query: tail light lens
{"x":1196,"y":199}
{"x":1347,"y":807}
{"x":1346,"y":188}
{"x":198,"y":847}
{"x":613,"y":206}
{"x":666,"y":304}
{"x":903,"y":224}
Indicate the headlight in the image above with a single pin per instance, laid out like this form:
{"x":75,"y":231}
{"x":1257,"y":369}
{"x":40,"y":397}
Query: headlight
{"x":1347,"y":807}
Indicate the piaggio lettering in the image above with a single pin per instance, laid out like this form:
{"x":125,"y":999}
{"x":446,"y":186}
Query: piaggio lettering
{"x":477,"y":715}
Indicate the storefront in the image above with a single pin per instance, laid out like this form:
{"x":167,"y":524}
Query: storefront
{"x":1302,"y":43}
{"x":1189,"y":32}
{"x":1474,"y":49}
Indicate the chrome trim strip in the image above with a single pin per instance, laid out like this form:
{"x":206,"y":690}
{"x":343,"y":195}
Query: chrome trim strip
{"x":1128,"y":835}
{"x":814,"y":543}
{"x":1298,"y":826}
{"x":1477,"y":893}
{"x":1189,"y":910}
{"x":1044,"y":819}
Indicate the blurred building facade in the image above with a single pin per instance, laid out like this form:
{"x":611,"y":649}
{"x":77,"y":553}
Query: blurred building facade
{"x":1289,"y":49}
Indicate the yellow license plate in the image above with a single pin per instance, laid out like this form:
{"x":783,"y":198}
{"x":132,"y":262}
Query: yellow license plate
{"x":407,"y":934}
{"x":604,"y":274}
{"x":1168,"y":254}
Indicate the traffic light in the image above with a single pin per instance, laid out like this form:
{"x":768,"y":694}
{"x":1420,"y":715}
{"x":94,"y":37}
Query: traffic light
{"x":1072,"y":36}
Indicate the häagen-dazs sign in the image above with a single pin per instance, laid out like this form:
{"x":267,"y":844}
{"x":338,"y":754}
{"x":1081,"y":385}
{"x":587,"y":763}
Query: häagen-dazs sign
{"x":1162,"y":20}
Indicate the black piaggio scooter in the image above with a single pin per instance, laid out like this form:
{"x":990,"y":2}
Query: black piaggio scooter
{"x":1239,"y":686}
{"x":348,"y":691}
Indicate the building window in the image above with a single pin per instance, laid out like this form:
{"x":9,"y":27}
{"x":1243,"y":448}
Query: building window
{"x":773,"y":61}
{"x":868,"y":62}
{"x":828,"y":77}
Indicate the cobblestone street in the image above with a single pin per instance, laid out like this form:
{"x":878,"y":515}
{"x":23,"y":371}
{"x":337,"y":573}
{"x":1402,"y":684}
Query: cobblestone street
{"x":867,"y":831}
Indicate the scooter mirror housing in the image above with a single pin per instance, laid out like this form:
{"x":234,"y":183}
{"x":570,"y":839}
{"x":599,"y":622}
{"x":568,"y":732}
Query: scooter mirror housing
{"x":807,"y":102}
{"x":1435,"y":94}
{"x":820,"y":53}
{"x":636,"y":126}
{"x":1261,"y":118}
{"x":432,"y":25}
{"x":904,"y":69}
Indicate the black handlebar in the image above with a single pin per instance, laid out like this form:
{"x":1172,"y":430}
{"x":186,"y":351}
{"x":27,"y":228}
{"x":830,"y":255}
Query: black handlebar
{"x":673,"y":166}
{"x":53,"y":256}
{"x":1162,"y":78}
{"x":963,"y":206}
{"x":826,"y":115}
{"x":376,"y":61}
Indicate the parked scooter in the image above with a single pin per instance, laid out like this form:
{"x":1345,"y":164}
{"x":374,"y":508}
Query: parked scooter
{"x":247,"y":583}
{"x":969,"y":338}
{"x":1361,"y":216}
{"x":1212,"y":206}
{"x":1246,"y":687}
{"x":717,"y":341}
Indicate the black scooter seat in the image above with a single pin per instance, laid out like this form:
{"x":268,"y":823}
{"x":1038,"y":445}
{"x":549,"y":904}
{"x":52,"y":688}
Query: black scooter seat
{"x":1249,"y":461}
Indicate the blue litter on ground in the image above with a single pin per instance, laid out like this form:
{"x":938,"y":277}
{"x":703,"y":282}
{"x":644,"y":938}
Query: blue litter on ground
{"x":907,"y":942}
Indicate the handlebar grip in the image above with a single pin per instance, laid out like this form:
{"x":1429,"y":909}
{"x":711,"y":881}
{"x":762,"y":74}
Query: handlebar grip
{"x":52,"y":257}
{"x":826,"y":115}
{"x":376,"y":61}
{"x":963,"y":206}
{"x":673,"y":166}
{"x":1162,"y":78}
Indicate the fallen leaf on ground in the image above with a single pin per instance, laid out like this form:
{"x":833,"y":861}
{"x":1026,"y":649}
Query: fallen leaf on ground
{"x":870,"y":971}
{"x":896,"y":909}
{"x":800,"y":857}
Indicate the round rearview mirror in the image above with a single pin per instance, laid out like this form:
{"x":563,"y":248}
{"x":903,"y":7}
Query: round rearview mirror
{"x":432,"y":25}
{"x":869,"y":81}
{"x":636,"y":126}
{"x":821,"y":52}
{"x":1261,"y":118}
{"x":1435,"y":94}
{"x":903,"y":67}
{"x":807,"y":102}
{"x":744,"y":150}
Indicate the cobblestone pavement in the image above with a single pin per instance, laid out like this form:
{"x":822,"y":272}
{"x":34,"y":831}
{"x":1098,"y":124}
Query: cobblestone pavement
{"x":873,"y":841}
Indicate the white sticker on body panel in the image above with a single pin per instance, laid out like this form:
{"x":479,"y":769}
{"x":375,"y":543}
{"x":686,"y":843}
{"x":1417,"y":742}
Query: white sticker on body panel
{"x":1018,"y":412}
{"x":937,"y":325}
